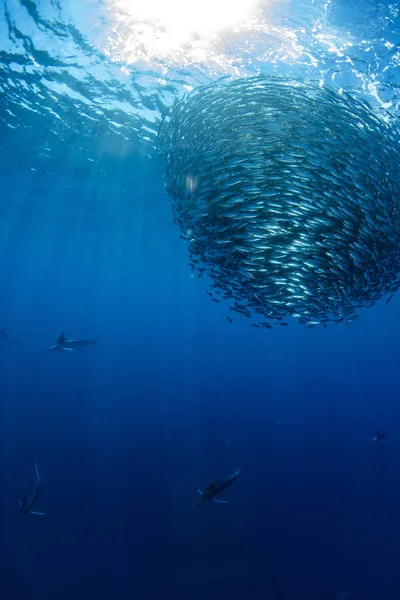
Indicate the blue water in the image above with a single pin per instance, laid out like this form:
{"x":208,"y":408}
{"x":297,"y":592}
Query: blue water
{"x":172,"y":394}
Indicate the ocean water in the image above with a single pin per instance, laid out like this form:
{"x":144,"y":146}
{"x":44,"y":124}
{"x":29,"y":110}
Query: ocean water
{"x":172,"y":395}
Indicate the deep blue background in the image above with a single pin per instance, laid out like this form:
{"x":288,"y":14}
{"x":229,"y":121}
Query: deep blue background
{"x":172,"y":394}
{"x":168,"y":399}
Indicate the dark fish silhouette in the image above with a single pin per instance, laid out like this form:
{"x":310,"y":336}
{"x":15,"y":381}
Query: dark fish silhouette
{"x":215,"y":488}
{"x":378,"y":437}
{"x":64,"y":345}
{"x":28,"y":501}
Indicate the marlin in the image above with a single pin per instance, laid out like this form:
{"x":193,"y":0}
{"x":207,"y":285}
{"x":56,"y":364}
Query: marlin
{"x":378,"y":437}
{"x":29,"y":500}
{"x":64,"y":345}
{"x":215,"y":488}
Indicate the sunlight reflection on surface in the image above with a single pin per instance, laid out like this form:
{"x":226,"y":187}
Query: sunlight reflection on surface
{"x":177,"y":31}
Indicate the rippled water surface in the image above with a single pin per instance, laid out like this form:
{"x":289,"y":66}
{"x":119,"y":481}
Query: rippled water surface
{"x":94,"y":72}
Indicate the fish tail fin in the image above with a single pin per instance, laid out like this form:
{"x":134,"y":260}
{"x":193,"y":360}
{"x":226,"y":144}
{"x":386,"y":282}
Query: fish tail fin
{"x":37,"y":472}
{"x":34,"y":512}
{"x":96,"y":338}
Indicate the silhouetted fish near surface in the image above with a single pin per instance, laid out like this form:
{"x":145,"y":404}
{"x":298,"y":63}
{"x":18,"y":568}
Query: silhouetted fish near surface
{"x":28,"y":501}
{"x":64,"y":345}
{"x":6,"y":338}
{"x":215,"y":488}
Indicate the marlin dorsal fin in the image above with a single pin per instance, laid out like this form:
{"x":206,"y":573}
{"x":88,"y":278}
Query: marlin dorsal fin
{"x":61,"y":339}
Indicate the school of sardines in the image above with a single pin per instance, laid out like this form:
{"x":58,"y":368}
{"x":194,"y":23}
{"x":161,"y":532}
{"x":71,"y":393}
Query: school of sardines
{"x":288,"y":195}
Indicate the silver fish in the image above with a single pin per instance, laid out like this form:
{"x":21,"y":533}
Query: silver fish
{"x":294,"y":200}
